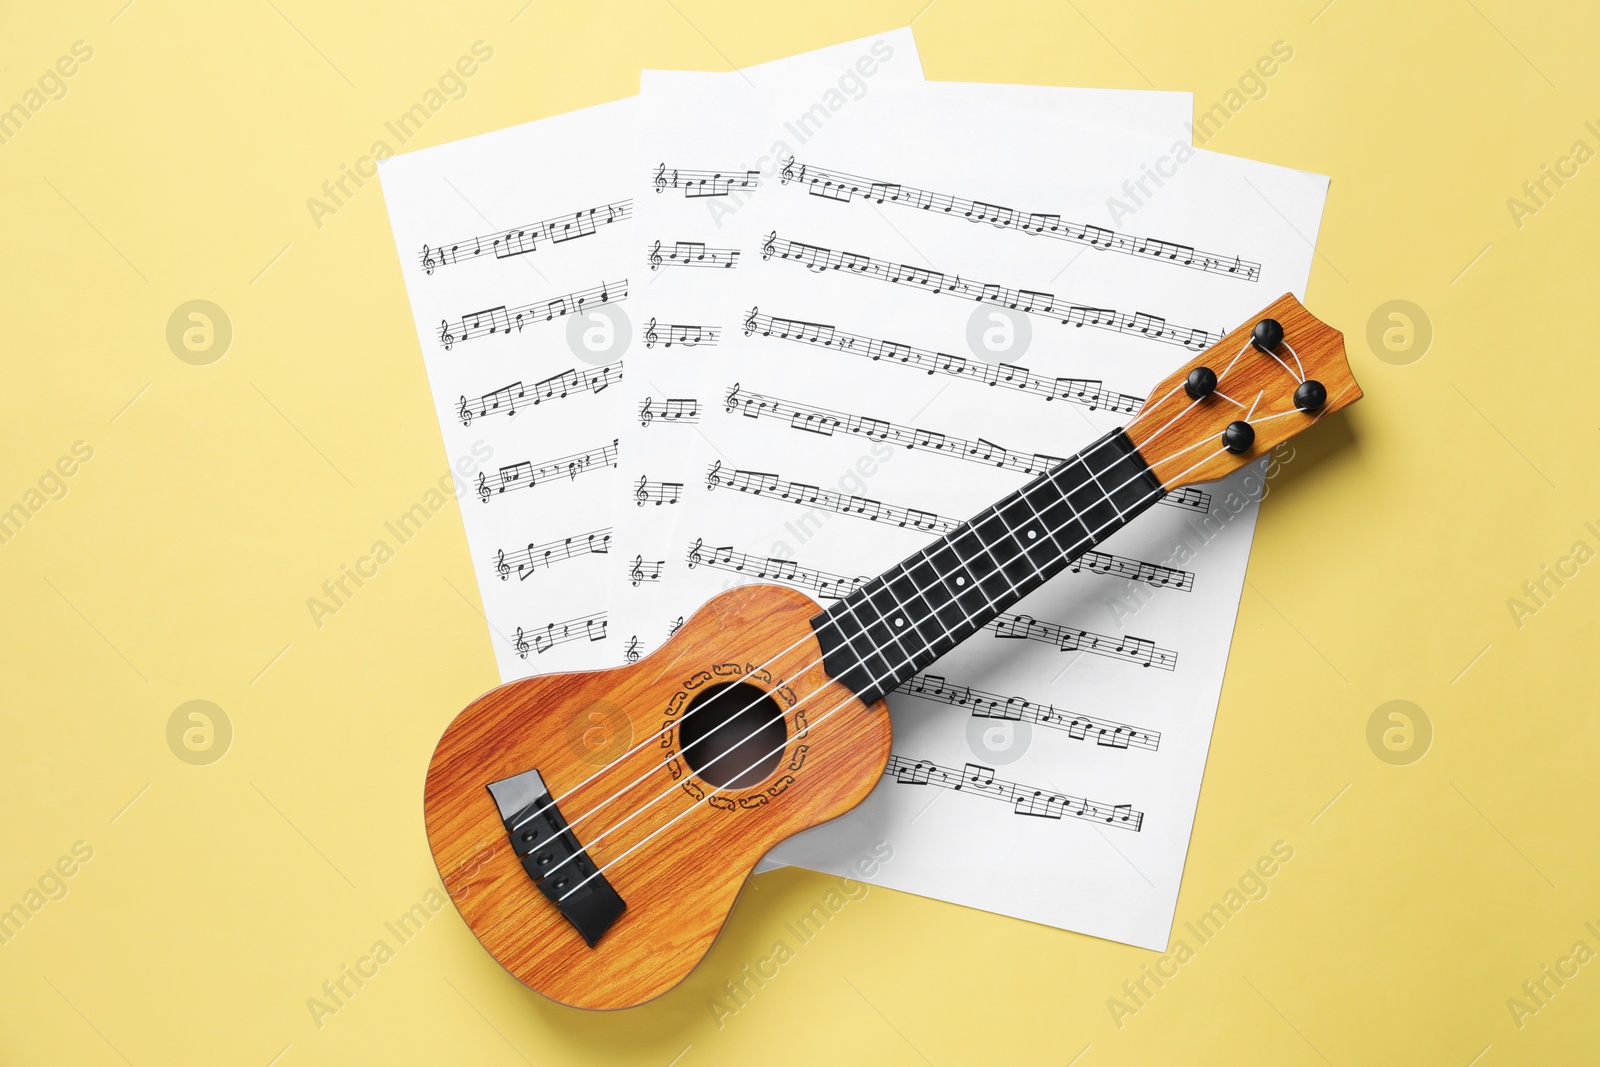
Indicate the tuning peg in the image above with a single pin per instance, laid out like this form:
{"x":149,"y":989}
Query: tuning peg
{"x":1238,"y":437}
{"x":1310,"y":396}
{"x":1201,"y":383}
{"x":1267,"y":335}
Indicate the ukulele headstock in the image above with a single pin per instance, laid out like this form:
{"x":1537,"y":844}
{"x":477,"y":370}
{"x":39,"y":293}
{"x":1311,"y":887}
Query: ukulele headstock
{"x":1243,"y":396}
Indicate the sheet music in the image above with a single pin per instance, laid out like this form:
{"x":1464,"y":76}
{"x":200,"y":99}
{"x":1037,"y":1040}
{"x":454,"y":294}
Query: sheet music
{"x":690,"y":213}
{"x":855,"y":407}
{"x":520,"y":258}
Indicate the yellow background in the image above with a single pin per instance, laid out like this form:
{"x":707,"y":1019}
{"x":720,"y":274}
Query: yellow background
{"x":177,"y":566}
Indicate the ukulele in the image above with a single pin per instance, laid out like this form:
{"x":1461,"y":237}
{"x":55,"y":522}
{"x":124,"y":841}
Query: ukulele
{"x":593,"y":829}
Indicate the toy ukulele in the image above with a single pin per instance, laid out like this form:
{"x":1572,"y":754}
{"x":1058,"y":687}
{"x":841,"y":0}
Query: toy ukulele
{"x":601,"y":885}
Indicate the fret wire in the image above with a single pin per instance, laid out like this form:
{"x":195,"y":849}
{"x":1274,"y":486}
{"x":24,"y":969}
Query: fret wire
{"x":904,"y":615}
{"x":876,"y":650}
{"x":1050,"y":522}
{"x":1091,"y":521}
{"x":915,"y":595}
{"x":880,"y":624}
{"x":971,"y":531}
{"x":997,"y":515}
{"x":947,"y":544}
{"x":1103,"y":492}
{"x":1050,"y":530}
{"x":955,"y":595}
{"x":1064,"y":498}
{"x":1026,"y":547}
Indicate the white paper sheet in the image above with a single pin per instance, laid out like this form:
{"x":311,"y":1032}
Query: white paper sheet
{"x":1199,"y":240}
{"x":698,"y":237}
{"x":520,"y":260}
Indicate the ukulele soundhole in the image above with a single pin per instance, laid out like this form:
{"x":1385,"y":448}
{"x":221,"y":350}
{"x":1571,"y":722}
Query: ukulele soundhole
{"x":733,"y":735}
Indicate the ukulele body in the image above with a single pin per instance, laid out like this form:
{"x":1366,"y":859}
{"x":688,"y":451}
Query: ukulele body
{"x":674,"y":834}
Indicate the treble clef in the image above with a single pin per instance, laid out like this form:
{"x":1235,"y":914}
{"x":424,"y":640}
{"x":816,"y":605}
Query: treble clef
{"x":465,"y":413}
{"x":636,"y":571}
{"x":733,"y":398}
{"x":694,"y":553}
{"x":640,"y":492}
{"x":446,"y":338}
{"x":750,"y":321}
{"x":661,"y":177}
{"x":501,"y":566}
{"x":712,"y":481}
{"x":646,"y":412}
{"x":677,"y":624}
{"x":650,"y":333}
{"x":655,"y":256}
{"x":427,"y":260}
{"x":631,"y":653}
{"x":766,"y":246}
{"x":521,"y":644}
{"x":483,"y":487}
{"x":787,"y":172}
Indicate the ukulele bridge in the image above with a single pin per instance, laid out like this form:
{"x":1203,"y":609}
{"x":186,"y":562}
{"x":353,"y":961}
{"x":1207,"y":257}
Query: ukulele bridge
{"x":552,"y":856}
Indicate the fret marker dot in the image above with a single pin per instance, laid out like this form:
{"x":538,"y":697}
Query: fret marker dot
{"x":899,"y":622}
{"x":961,"y":581}
{"x":1032,"y":534}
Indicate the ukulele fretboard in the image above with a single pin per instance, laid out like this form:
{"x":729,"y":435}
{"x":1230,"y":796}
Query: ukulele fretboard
{"x":901,"y":621}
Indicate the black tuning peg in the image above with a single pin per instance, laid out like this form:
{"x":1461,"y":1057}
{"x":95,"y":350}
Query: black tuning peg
{"x":1310,"y":396}
{"x":1238,"y":437}
{"x":1267,"y":335}
{"x":1201,"y":383}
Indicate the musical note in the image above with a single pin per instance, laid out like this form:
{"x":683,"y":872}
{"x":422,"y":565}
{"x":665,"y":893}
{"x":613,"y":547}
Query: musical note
{"x":672,"y":411}
{"x":826,"y":422}
{"x":645,"y":492}
{"x":542,"y":639}
{"x":503,"y":319}
{"x":689,"y":336}
{"x":984,"y":705}
{"x":692,"y":254}
{"x":525,"y":475}
{"x":817,"y":258}
{"x":1025,"y":800}
{"x":529,"y":559}
{"x":773,"y":569}
{"x":1071,"y":639}
{"x":1087,"y":393}
{"x":509,"y":399}
{"x":702,"y":183}
{"x":642,"y":570}
{"x":630,"y":653}
{"x":504,"y":244}
{"x":842,"y":188}
{"x":1189,"y":497}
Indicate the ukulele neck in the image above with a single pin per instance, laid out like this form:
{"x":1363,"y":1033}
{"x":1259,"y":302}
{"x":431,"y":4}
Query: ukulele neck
{"x":904,"y":619}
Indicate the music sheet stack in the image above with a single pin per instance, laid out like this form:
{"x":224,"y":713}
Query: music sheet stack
{"x":789,"y":324}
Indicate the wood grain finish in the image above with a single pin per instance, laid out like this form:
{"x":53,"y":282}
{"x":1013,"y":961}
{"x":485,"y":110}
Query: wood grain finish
{"x":676,"y":861}
{"x":1181,"y":439}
